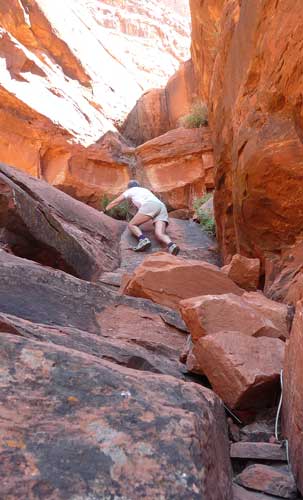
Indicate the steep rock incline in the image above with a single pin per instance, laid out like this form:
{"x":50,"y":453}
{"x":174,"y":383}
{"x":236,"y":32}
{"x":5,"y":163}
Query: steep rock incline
{"x":69,"y":72}
{"x":94,"y":401}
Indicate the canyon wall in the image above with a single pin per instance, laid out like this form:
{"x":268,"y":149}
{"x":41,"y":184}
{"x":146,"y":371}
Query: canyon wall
{"x":71,"y":72}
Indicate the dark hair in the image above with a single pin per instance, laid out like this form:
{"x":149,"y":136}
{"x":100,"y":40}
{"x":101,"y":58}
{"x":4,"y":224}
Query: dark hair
{"x":133,"y":183}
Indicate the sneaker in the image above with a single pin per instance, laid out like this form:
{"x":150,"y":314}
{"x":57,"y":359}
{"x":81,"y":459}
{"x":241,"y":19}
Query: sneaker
{"x":142,"y":245}
{"x":173,"y":249}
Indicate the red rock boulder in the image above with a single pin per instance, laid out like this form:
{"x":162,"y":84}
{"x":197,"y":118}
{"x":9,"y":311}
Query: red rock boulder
{"x":269,"y":480}
{"x":178,"y":166}
{"x":292,"y":410}
{"x":212,"y":314}
{"x":244,"y":371}
{"x":243,"y":271}
{"x":166,"y":279}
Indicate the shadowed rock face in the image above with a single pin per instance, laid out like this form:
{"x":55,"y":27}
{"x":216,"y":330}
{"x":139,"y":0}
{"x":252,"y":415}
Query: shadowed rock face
{"x":43,"y":224}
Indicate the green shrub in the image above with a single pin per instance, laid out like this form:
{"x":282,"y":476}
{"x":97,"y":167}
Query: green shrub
{"x":121,"y":212}
{"x":206,"y":221}
{"x":198,"y":116}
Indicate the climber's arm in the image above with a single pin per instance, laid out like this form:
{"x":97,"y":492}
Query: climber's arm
{"x":114,"y":203}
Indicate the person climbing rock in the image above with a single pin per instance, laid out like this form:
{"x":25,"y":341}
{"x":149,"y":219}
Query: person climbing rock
{"x":150,"y":208}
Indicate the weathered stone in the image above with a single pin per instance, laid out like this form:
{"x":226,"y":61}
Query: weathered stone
{"x":279,"y":314}
{"x":258,"y":451}
{"x":274,"y":481}
{"x":44,"y":224}
{"x":244,"y":371}
{"x":292,"y":410}
{"x":212,"y":314}
{"x":258,"y":431}
{"x":244,"y":494}
{"x":166,"y":280}
{"x":177,"y":165}
{"x":243,"y":271}
{"x":73,"y":425}
{"x":159,"y":110}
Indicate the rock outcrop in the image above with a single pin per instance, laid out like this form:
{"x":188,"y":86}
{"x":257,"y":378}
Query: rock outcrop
{"x":38,"y":222}
{"x":177,"y":165}
{"x":159,"y":110}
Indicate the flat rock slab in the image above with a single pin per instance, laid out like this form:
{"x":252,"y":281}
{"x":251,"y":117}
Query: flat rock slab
{"x":271,"y":480}
{"x":244,"y":494}
{"x":258,"y":451}
{"x":75,"y":426}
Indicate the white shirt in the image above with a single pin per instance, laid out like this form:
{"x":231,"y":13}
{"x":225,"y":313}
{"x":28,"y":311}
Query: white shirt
{"x":139,"y":196}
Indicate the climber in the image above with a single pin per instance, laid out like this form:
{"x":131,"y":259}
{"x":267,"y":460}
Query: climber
{"x":150,"y":208}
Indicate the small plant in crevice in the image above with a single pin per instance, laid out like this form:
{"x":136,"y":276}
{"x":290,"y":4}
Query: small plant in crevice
{"x":205,"y":217}
{"x":121,"y":212}
{"x":196,"y":118}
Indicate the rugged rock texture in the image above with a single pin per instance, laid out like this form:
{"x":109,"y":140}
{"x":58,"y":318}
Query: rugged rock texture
{"x":212,"y":314}
{"x":159,"y":110}
{"x":293,"y":398}
{"x":244,"y":494}
{"x":177,"y":165}
{"x":273,"y":481}
{"x":244,"y":371}
{"x":94,"y":400}
{"x":88,"y":427}
{"x":255,"y":114}
{"x":206,"y":19}
{"x":57,"y":88}
{"x":166,"y":280}
{"x":40,"y":223}
{"x":243,"y":271}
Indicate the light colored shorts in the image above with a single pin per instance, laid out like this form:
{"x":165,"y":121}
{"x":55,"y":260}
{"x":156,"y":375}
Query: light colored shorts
{"x":156,"y":210}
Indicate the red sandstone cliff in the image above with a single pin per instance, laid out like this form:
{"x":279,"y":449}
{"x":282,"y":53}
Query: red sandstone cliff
{"x":69,"y":71}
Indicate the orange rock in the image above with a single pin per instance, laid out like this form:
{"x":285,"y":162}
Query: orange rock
{"x":159,"y":110}
{"x":173,"y":165}
{"x":243,"y":271}
{"x":244,"y":371}
{"x":255,"y":115}
{"x":166,"y":279}
{"x":292,"y":416}
{"x":214,"y":314}
{"x":206,"y":19}
{"x":57,"y":95}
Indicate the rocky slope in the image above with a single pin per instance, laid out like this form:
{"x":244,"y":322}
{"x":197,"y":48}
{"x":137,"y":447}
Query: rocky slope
{"x":70,"y":71}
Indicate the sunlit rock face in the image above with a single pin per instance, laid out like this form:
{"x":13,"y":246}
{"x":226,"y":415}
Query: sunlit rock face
{"x":255,"y":104}
{"x":71,"y":71}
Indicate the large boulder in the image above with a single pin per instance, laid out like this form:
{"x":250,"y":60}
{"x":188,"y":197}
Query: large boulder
{"x":73,"y":425}
{"x":41,"y":223}
{"x":212,"y":314}
{"x":166,"y":280}
{"x":292,"y":410}
{"x":244,"y":371}
{"x":178,"y":166}
{"x":270,"y":480}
